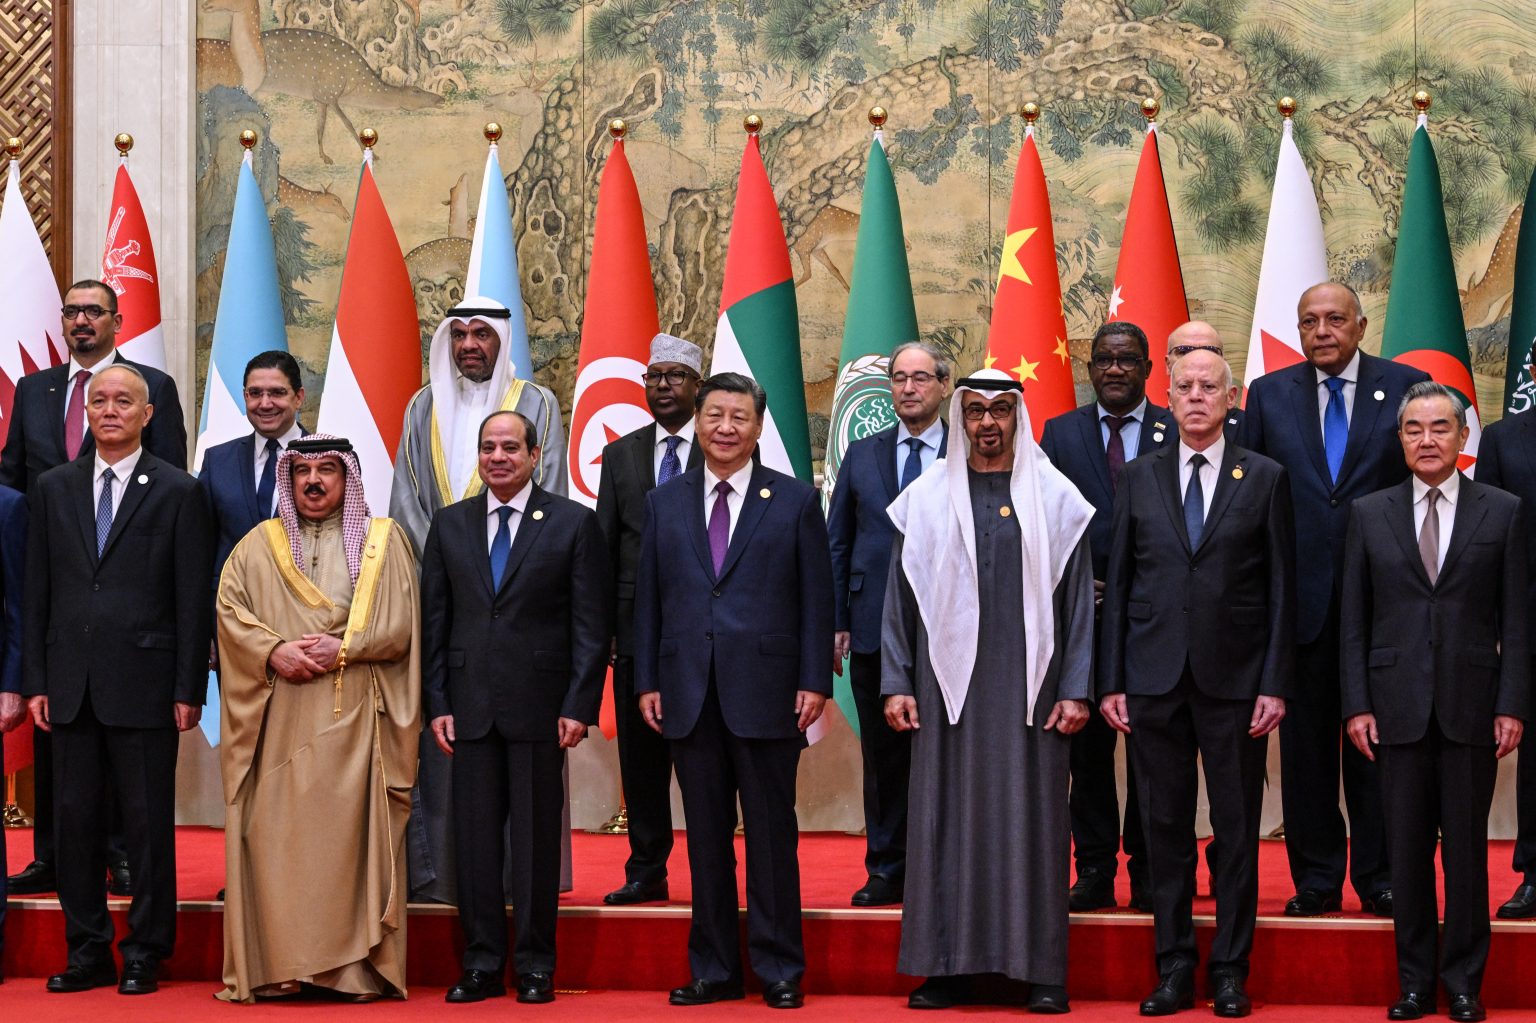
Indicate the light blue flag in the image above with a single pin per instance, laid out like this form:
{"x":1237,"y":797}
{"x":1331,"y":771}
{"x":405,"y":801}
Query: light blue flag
{"x":493,"y":263}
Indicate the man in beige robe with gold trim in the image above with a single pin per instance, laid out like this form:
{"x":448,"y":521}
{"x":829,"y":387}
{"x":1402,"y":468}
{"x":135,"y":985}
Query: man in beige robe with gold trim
{"x":318,"y":626}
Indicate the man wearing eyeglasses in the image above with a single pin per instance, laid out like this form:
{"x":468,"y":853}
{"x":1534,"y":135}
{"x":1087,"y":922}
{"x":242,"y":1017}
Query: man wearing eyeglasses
{"x":48,"y":428}
{"x":1199,"y":336}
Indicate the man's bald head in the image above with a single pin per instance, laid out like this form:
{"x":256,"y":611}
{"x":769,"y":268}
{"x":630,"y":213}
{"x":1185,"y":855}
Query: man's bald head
{"x":1194,"y":336}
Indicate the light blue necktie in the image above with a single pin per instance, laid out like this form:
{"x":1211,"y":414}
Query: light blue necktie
{"x":1194,"y":502}
{"x":104,"y":511}
{"x":1335,"y":427}
{"x":670,"y":466}
{"x":914,"y":464}
{"x":501,"y":546}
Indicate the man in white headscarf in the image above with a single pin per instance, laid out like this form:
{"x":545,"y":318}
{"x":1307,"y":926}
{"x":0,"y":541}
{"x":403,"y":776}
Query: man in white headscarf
{"x":988,"y":636}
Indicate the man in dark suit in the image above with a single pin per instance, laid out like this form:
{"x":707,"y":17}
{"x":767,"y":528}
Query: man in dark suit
{"x":1329,"y":421}
{"x":515,"y":635}
{"x":1436,"y":687}
{"x":116,"y":626}
{"x":1090,"y":445}
{"x":633,"y":466}
{"x":873,"y":471}
{"x":48,"y":427}
{"x":1197,"y":658}
{"x":731,"y":645}
{"x":13,"y":709}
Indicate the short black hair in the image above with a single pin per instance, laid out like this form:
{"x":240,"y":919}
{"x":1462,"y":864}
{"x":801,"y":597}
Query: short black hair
{"x":530,"y":432}
{"x":1121,"y":328}
{"x":276,"y":359}
{"x":91,"y":282}
{"x":733,"y":383}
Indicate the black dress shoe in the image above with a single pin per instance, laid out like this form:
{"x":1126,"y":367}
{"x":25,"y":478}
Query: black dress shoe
{"x":83,"y":978}
{"x":1413,"y":1005}
{"x":1176,"y":991}
{"x":1048,"y":999}
{"x":783,"y":994}
{"x":633,"y":893}
{"x":1141,"y":898}
{"x":1093,"y":890}
{"x":1378,"y":903}
{"x":535,"y":988}
{"x":1466,"y":1009}
{"x":1314,"y":902}
{"x":119,"y":880}
{"x":1521,"y":905}
{"x":935,"y":993}
{"x":36,"y":878}
{"x":476,"y":986}
{"x":706,"y":992}
{"x":877,"y":891}
{"x":1229,"y":1000}
{"x":138,"y":977}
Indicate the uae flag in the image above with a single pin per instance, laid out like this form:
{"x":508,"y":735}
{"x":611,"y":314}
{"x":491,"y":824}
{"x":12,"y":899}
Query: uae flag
{"x":1295,"y":258}
{"x":1519,"y":392}
{"x":375,"y":361}
{"x":1149,"y":287}
{"x":128,"y":268}
{"x":759,"y":329}
{"x":1424,"y":325}
{"x":1028,"y":334}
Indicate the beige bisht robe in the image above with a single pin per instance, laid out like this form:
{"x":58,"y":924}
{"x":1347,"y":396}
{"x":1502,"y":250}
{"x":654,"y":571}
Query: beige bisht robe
{"x":318,"y":775}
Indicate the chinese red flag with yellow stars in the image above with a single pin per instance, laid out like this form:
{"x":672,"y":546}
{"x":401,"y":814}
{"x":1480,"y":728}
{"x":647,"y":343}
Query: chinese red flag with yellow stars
{"x":1028,"y":335}
{"x":1149,"y":287}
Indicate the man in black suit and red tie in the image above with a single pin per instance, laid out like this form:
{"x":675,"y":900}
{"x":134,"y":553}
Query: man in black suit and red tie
{"x":1437,"y":687}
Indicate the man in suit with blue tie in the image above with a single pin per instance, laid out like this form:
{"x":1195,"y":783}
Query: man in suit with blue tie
{"x":1090,"y":445}
{"x":1330,"y":422}
{"x":731,"y":645}
{"x":874,"y":470}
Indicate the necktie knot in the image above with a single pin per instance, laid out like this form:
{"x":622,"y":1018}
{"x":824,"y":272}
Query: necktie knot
{"x":912,"y":468}
{"x":1335,"y":385}
{"x":1116,"y":423}
{"x":107,"y":476}
{"x":672,"y":443}
{"x":723,"y":488}
{"x":83,"y":377}
{"x":1433,"y":496}
{"x":272,"y":445}
{"x":1197,"y":460}
{"x":505,"y":512}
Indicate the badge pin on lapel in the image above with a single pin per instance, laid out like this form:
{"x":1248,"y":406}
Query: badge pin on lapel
{"x":765,"y":492}
{"x":1237,"y":472}
{"x":538,"y":515}
{"x":1380,"y":395}
{"x":143,"y":478}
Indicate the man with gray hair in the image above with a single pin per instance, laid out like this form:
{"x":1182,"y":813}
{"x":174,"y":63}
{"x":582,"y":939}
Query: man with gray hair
{"x":875,"y":469}
{"x":1436,"y":687}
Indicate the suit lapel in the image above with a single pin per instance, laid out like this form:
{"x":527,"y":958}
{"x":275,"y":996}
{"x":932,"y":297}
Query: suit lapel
{"x":1400,"y":524}
{"x":55,"y":396}
{"x":1227,"y":482}
{"x":1154,"y":421}
{"x":85,"y":502}
{"x":1304,"y":405}
{"x":641,"y":456}
{"x":474,"y":540}
{"x":1167,"y":471}
{"x":245,"y":463}
{"x":754,"y":503}
{"x":1524,"y":437}
{"x":1367,"y":410}
{"x":1090,"y":436}
{"x":693,"y":516}
{"x":885,"y":460}
{"x":528,"y":531}
{"x":133,"y":495}
{"x":1464,"y":524}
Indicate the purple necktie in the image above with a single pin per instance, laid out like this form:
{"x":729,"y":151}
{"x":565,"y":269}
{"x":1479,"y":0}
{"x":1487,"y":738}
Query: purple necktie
{"x":1115,"y":452}
{"x":720,"y":526}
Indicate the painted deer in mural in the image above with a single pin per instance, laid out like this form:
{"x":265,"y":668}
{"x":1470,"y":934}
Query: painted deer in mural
{"x":316,"y":66}
{"x":307,"y":200}
{"x":832,"y":224}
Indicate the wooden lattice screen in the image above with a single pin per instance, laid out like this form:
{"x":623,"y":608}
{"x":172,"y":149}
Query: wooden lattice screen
{"x":34,"y":76}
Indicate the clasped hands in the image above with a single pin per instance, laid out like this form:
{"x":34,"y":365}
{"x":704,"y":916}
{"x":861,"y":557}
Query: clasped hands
{"x":305,"y":659}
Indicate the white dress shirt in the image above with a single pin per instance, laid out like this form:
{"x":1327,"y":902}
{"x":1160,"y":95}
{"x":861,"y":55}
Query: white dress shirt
{"x":1209,"y":472}
{"x":1350,"y":374}
{"x":1130,"y":433}
{"x":928,"y":448}
{"x":69,"y":382}
{"x":684,"y":446}
{"x":518,"y":504}
{"x":293,"y":434}
{"x":740,"y":480}
{"x":123,"y":473}
{"x":1445,"y":509}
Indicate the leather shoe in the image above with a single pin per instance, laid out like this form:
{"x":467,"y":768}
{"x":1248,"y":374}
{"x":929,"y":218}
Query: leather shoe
{"x":706,"y":992}
{"x":119,"y":880}
{"x":783,"y":994}
{"x":1378,"y":903}
{"x":1048,"y":999}
{"x":1141,"y":898}
{"x":1093,"y":890}
{"x":36,"y":878}
{"x":1314,"y":902}
{"x":1413,"y":1005}
{"x":476,"y":986}
{"x":935,"y":993}
{"x":1521,"y":905}
{"x":138,"y":977}
{"x":632,"y":893}
{"x":877,"y":891}
{"x":1176,"y":991}
{"x":535,"y":988}
{"x":1466,"y":1009}
{"x":1229,"y":999}
{"x":83,"y":978}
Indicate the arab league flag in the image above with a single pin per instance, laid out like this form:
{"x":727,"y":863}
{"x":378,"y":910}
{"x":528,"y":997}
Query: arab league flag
{"x":759,"y":329}
{"x":492,"y":269}
{"x":1519,"y":392}
{"x":1424,"y":325}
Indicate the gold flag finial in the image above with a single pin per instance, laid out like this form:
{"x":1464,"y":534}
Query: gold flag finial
{"x":492,"y":132}
{"x":368,"y":137}
{"x":248,"y":139}
{"x":1150,"y":108}
{"x":123,"y":142}
{"x":617,"y":128}
{"x":1287,"y":107}
{"x":877,"y":116}
{"x":1030,"y":112}
{"x":753,"y":124}
{"x":1421,"y":101}
{"x":13,"y":147}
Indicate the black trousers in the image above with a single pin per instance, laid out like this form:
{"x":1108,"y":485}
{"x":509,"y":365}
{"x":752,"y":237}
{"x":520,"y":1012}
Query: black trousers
{"x":714,"y":767}
{"x":887,"y":756}
{"x":645,"y":769}
{"x":1438,"y":786}
{"x":1313,"y":750}
{"x":141,"y":766}
{"x":1095,"y":805}
{"x":42,"y":815}
{"x":1168,"y":732}
{"x":1525,"y":814}
{"x":502,"y":786}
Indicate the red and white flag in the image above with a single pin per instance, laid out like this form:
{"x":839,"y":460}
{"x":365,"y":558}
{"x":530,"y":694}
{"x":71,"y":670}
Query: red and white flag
{"x":1149,"y":287}
{"x":375,"y":361}
{"x":1295,"y":258}
{"x":30,"y":335}
{"x":128,"y":268}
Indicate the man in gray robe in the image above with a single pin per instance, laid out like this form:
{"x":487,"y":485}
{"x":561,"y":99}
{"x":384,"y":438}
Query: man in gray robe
{"x":989,"y":634}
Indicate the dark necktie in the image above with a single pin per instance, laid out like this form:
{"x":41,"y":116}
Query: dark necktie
{"x":1335,"y":427}
{"x":720,"y":526}
{"x":501,"y":546}
{"x":912,"y":468}
{"x":670,"y":466}
{"x":1194,"y":502}
{"x":268,"y":479}
{"x":74,"y":416}
{"x":1114,"y":452}
{"x":104,"y":511}
{"x":1429,"y":538}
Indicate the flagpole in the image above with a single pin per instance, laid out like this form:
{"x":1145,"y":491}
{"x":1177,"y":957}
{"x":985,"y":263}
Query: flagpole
{"x":124,"y":143}
{"x":368,"y":138}
{"x":1421,"y":102}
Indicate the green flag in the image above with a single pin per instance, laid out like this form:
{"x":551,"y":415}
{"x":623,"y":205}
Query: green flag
{"x":1424,"y":326}
{"x":1519,"y":392}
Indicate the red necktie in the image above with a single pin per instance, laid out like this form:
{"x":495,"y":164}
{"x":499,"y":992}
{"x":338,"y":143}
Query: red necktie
{"x":74,"y":416}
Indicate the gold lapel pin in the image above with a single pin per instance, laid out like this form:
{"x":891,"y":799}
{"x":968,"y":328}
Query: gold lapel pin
{"x":765,"y":492}
{"x":538,"y":515}
{"x":1237,"y":472}
{"x":1005,"y":511}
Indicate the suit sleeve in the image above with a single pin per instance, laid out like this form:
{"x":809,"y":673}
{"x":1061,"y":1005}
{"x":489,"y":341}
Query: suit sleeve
{"x":166,"y":434}
{"x":436,"y":613}
{"x":1514,"y":698}
{"x":898,"y":631}
{"x":13,"y":553}
{"x":1110,"y":676}
{"x":591,"y":622}
{"x":1279,"y":672}
{"x":815,"y":598}
{"x":841,"y":526}
{"x":37,"y":597}
{"x":13,"y":458}
{"x":193,"y":579}
{"x":647,"y":604}
{"x":1490,"y":468}
{"x":1250,"y":432}
{"x":1048,"y":442}
{"x":1355,"y":616}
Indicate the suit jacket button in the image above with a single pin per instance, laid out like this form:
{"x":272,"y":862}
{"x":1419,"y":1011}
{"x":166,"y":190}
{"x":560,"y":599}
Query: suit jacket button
{"x":495,"y":614}
{"x":1334,"y":502}
{"x":87,"y":628}
{"x":709,"y":636}
{"x":95,"y":586}
{"x":717,"y":593}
